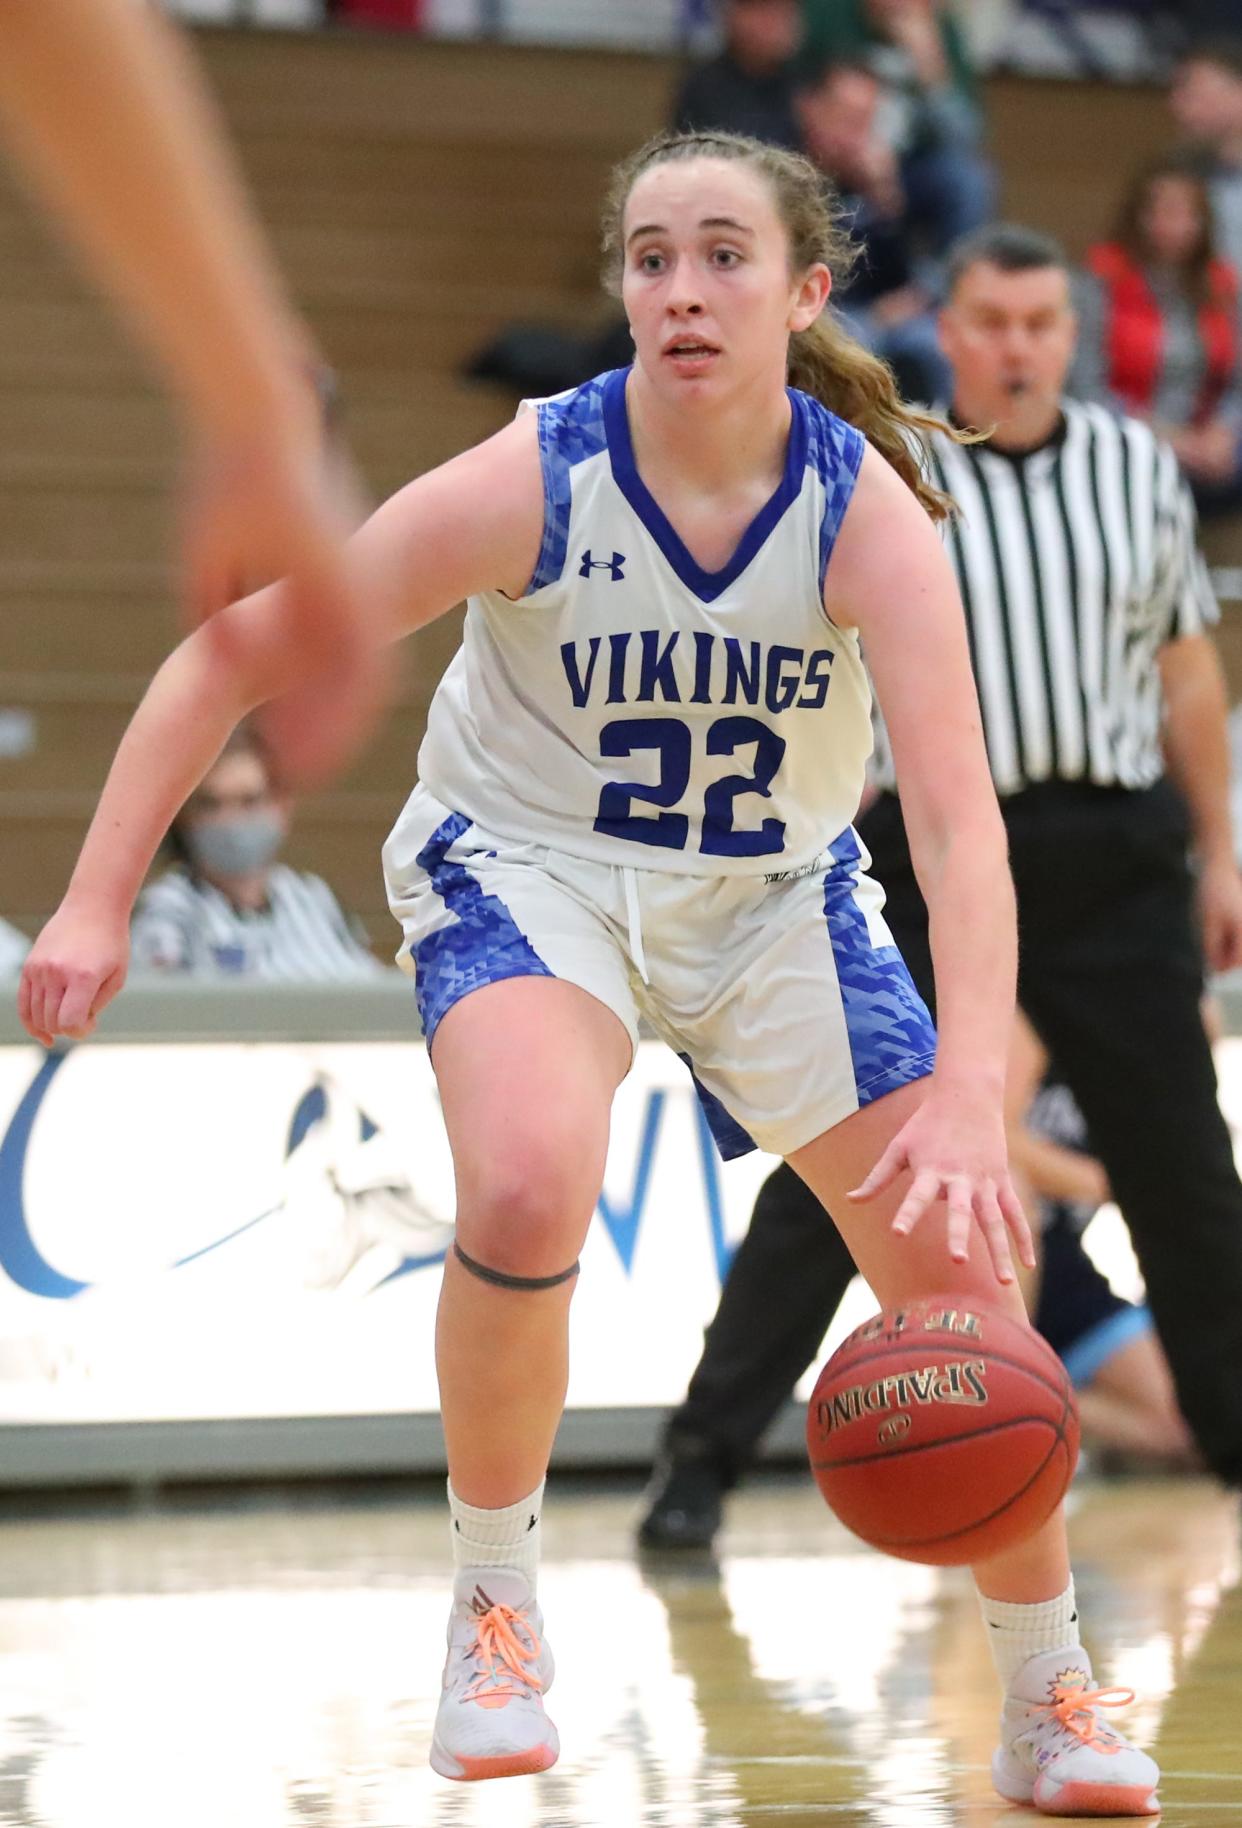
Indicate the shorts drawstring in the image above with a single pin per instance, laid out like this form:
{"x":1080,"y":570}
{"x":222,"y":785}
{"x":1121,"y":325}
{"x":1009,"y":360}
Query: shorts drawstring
{"x":635,"y":924}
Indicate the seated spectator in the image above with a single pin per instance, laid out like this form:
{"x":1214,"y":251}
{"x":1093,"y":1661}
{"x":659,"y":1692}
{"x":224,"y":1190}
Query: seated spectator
{"x":1126,"y":1401}
{"x":749,"y":87}
{"x":880,"y":298}
{"x":1160,"y":333}
{"x":1206,"y":99}
{"x":226,"y":908}
{"x":13,"y":949}
{"x":935,"y":123}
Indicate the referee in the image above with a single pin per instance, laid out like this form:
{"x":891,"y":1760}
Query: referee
{"x":1103,"y":705}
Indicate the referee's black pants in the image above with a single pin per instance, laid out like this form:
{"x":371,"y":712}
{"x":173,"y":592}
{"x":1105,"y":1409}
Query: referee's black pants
{"x":1110,"y":977}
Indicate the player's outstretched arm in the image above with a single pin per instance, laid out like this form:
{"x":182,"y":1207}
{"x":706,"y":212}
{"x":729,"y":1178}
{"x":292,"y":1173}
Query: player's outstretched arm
{"x":474,"y":524}
{"x":890,"y":577}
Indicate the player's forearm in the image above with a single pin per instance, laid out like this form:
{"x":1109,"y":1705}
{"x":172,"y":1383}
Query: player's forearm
{"x":194,"y":702}
{"x":115,"y":127}
{"x":972,"y":923}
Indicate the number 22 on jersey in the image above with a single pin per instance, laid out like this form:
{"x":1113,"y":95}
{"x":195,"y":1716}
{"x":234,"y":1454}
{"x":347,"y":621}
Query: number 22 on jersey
{"x":672,"y":742}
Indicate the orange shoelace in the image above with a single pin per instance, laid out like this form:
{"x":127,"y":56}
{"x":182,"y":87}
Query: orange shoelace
{"x":504,"y":1653}
{"x":1074,"y":1709}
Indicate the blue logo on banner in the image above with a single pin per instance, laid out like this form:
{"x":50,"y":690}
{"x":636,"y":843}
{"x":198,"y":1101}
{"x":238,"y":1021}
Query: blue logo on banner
{"x":20,"y":1257}
{"x":25,"y":1265}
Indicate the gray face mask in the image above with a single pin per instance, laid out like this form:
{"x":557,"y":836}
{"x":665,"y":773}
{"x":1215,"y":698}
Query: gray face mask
{"x":235,"y":847}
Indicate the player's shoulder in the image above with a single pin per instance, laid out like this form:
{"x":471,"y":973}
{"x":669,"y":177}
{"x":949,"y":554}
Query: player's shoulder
{"x":573,"y":425}
{"x":834,"y":447}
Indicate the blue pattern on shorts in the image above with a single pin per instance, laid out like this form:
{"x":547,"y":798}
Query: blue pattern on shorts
{"x":571,"y":429}
{"x":481,"y":943}
{"x":835,"y":450}
{"x":727,"y":1133}
{"x":892,"y":1037}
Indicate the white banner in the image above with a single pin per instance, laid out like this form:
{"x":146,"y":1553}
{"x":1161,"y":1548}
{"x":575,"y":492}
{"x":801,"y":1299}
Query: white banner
{"x":229,"y":1231}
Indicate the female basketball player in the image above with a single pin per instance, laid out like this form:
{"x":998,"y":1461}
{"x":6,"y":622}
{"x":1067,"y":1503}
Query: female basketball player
{"x":636,"y":793}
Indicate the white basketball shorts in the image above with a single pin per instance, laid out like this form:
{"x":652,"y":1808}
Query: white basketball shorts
{"x":784,"y":995}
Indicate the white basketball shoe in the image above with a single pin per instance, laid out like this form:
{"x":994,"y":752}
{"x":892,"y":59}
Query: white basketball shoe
{"x":1058,"y":1752}
{"x":491,"y":1720}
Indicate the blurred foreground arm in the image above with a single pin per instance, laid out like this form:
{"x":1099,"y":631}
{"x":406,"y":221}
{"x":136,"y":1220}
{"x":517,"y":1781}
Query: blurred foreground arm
{"x":114,"y":127}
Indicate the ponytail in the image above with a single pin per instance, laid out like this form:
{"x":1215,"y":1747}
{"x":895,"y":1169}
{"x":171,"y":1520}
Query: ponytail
{"x":828,"y":363}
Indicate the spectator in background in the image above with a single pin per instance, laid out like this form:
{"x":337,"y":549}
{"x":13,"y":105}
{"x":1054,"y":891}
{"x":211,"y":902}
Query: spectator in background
{"x":226,"y":908}
{"x":13,"y":949}
{"x":935,"y":121}
{"x":886,"y":308}
{"x":1159,"y":329}
{"x":1206,"y":99}
{"x":749,"y":87}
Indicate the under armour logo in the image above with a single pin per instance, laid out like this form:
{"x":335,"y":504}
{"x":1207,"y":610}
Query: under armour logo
{"x":615,"y":566}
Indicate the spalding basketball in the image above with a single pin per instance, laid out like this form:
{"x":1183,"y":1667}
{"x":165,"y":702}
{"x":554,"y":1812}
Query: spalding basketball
{"x":943,"y":1431}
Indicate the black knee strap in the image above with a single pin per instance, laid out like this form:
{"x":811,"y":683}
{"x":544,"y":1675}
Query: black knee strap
{"x":500,"y":1278}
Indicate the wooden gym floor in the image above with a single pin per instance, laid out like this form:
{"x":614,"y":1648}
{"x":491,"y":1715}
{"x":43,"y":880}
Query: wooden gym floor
{"x":263,"y":1662}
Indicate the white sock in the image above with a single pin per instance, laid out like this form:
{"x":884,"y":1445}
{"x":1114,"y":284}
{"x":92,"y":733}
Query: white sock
{"x":507,"y":1538}
{"x":1017,"y":1633}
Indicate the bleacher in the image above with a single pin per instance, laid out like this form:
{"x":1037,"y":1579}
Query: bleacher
{"x":421,"y":196}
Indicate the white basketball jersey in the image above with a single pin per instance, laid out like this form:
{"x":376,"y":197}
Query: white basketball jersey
{"x":636,"y":709}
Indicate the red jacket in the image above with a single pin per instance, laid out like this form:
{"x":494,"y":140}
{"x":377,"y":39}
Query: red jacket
{"x":1134,"y":330}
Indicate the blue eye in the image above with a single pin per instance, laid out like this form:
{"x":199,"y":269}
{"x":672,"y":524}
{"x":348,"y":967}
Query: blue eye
{"x":726,"y":256}
{"x":650,"y":263}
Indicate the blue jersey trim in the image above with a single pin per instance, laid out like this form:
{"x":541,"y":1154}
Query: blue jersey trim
{"x":835,"y":451}
{"x":892,"y":1039}
{"x":706,"y":585}
{"x":571,"y":430}
{"x":482,"y":944}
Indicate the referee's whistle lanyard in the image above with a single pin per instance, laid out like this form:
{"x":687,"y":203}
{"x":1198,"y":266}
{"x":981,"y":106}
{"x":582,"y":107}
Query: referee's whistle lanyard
{"x":634,"y":922}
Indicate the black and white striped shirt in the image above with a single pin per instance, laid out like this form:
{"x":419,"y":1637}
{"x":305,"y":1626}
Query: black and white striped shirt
{"x":182,"y":924}
{"x":1076,"y":562}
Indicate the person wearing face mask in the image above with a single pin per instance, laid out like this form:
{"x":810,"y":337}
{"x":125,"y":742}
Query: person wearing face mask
{"x":227,"y":908}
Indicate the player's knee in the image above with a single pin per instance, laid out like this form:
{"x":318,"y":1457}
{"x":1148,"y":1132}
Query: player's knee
{"x":526,"y":1216}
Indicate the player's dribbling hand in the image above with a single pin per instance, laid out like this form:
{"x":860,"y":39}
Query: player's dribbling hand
{"x":955,"y":1150}
{"x":72,"y":972}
